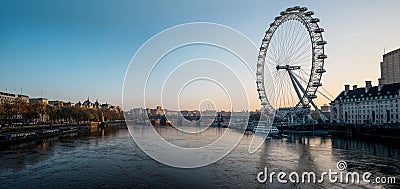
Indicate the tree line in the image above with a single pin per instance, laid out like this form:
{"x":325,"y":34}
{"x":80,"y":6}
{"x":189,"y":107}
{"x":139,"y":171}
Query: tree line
{"x":22,"y":112}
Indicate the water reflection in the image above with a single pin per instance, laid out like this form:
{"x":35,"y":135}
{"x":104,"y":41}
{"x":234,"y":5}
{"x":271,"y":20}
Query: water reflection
{"x":80,"y":160}
{"x":18,"y":156}
{"x":388,"y":148}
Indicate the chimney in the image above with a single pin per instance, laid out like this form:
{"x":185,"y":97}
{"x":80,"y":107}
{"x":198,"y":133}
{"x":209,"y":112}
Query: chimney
{"x":354,"y":87}
{"x":346,"y":89}
{"x":368,"y":85}
{"x":380,"y":85}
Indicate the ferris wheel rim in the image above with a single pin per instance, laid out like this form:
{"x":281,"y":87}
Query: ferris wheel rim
{"x":317,"y":47}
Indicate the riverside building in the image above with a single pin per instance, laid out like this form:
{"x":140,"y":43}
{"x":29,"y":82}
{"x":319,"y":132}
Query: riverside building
{"x":378,"y":105}
{"x":9,"y":98}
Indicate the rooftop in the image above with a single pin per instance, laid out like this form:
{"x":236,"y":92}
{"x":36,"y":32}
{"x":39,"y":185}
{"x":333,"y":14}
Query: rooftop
{"x":389,"y":89}
{"x":392,"y":52}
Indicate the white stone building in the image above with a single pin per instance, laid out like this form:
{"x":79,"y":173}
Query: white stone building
{"x":9,"y":98}
{"x":378,"y":105}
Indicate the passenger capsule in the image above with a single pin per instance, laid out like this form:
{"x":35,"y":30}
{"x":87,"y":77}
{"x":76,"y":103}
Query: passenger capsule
{"x":289,"y":9}
{"x":312,"y":96}
{"x":314,"y":20}
{"x":321,"y":43}
{"x":319,"y":30}
{"x":317,"y":84}
{"x":322,"y":56}
{"x":303,"y":9}
{"x":309,"y":13}
{"x":320,"y":70}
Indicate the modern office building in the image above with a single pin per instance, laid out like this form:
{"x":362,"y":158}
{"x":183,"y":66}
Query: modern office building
{"x":390,"y":67}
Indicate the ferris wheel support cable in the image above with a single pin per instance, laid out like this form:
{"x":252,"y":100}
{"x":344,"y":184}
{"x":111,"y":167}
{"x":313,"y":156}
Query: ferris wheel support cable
{"x":303,"y":90}
{"x":324,"y":95}
{"x":310,"y":100}
{"x":296,"y":89}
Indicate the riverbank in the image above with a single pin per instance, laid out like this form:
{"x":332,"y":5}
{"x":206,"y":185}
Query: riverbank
{"x":113,"y":160}
{"x":8,"y":138}
{"x":383,"y":133}
{"x":21,"y":134}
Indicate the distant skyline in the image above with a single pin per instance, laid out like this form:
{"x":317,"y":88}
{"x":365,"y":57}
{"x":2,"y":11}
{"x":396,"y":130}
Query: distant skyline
{"x":69,"y":50}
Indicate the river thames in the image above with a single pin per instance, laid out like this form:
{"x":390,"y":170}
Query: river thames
{"x":111,"y":159}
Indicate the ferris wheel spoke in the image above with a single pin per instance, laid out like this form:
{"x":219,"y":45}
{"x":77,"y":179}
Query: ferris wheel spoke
{"x":273,"y":54}
{"x":283,"y":89}
{"x":294,"y":40}
{"x":302,"y":61}
{"x":296,"y":49}
{"x":302,"y":43}
{"x":280,"y":89}
{"x":302,"y":78}
{"x":290,"y":90}
{"x":272,"y":60}
{"x":278,"y":42}
{"x":305,"y":50}
{"x":290,"y":37}
{"x":307,"y":75}
{"x":273,"y":88}
{"x":299,"y":56}
{"x":304,"y":54}
{"x":286,"y":45}
{"x":278,"y":95}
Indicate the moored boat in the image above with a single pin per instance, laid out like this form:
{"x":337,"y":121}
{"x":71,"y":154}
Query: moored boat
{"x":262,"y":127}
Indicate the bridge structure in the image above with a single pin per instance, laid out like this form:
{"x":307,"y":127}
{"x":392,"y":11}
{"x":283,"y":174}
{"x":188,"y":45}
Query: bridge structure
{"x":162,"y":119}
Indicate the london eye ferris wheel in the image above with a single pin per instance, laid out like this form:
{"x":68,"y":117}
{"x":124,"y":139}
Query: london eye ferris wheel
{"x":292,"y":53}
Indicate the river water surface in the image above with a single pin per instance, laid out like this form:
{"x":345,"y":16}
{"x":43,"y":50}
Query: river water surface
{"x":111,"y":159}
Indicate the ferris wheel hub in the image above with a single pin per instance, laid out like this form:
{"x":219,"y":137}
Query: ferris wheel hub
{"x":287,"y":67}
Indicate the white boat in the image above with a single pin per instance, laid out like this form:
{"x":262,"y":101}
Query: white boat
{"x":261,"y":127}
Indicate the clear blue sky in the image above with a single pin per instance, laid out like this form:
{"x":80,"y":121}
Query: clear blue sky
{"x":70,"y":50}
